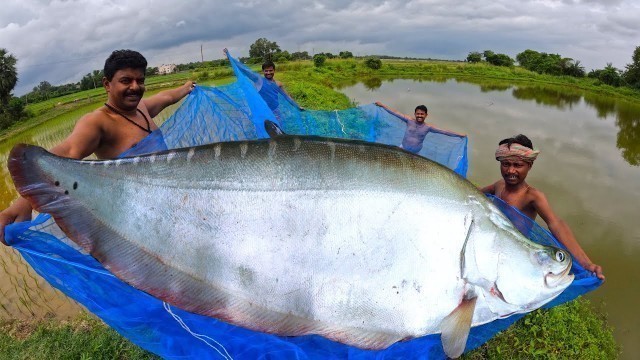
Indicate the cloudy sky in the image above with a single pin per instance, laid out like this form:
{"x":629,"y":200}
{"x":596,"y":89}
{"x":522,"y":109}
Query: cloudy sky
{"x":60,"y":41}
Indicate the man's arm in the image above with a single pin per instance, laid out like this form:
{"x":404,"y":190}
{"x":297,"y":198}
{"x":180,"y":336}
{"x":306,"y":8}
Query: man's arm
{"x":158,"y":102}
{"x":563,"y":233}
{"x":395,"y":112}
{"x":82,"y":142}
{"x":447,"y":132}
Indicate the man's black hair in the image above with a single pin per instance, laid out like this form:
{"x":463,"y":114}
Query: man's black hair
{"x":421,"y":107}
{"x":517,"y":139}
{"x":123,"y":59}
{"x":268,"y":64}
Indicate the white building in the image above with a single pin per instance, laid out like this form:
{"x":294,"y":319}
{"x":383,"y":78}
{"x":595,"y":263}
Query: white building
{"x":166,"y":69}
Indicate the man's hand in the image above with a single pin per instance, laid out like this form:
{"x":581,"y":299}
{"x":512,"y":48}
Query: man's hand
{"x":20,"y":210}
{"x":597,"y":269}
{"x":379,"y":103}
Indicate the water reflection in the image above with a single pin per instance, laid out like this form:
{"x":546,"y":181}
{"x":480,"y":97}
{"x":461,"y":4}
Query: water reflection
{"x":626,"y":113}
{"x":372,"y":83}
{"x":628,"y":120}
{"x":562,"y":99}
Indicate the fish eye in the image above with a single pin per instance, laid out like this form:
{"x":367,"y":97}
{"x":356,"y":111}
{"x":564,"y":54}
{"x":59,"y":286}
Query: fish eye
{"x":560,"y":256}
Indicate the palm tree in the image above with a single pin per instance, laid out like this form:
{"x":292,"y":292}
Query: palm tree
{"x":574,"y":69}
{"x":8,"y":75}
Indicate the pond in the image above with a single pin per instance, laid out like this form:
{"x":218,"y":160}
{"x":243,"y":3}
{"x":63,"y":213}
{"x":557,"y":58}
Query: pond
{"x":588,"y":168}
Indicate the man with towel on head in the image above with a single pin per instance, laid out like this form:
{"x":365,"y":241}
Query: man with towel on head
{"x":516,"y":156}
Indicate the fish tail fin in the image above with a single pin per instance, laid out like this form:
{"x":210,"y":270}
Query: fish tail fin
{"x":455,"y":327}
{"x":46,"y":194}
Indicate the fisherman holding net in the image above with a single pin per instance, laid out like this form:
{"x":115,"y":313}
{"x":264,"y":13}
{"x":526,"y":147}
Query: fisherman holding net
{"x":417,"y":128}
{"x":516,"y":156}
{"x":108,"y":131}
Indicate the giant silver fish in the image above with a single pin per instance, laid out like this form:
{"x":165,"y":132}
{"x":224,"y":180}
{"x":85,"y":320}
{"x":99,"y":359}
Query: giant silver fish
{"x":361,"y":243}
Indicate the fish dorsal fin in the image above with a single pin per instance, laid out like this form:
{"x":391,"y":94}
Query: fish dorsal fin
{"x":273,"y":129}
{"x":455,"y":327}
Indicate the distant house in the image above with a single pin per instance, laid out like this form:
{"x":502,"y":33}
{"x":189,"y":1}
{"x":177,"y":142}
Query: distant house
{"x":166,"y":69}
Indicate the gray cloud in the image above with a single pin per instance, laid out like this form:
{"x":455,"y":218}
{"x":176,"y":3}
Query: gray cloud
{"x":594,"y":32}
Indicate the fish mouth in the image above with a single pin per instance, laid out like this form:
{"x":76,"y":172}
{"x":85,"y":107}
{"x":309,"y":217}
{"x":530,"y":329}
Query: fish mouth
{"x":563,"y":279}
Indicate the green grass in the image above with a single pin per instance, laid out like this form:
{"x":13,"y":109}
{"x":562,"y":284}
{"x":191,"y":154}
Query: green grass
{"x":82,"y":338}
{"x":573,"y":330}
{"x":338,"y":73}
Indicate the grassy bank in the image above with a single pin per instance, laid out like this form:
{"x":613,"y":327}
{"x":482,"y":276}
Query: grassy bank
{"x":575,"y":330}
{"x":308,"y":84}
{"x":570,"y":331}
{"x":341,"y":73}
{"x":81,"y":338}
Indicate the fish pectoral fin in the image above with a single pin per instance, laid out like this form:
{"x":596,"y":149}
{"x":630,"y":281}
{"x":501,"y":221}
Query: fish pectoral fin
{"x":273,"y":129}
{"x":455,"y":327}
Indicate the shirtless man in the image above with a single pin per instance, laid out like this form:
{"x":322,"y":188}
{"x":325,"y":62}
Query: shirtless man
{"x":269,"y":88}
{"x":269,"y":71}
{"x":121,"y":123}
{"x":417,"y":128}
{"x":516,"y":156}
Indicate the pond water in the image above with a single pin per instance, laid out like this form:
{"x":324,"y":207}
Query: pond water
{"x":588,"y":168}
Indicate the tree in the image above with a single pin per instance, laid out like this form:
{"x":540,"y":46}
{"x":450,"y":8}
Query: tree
{"x":373,"y":63}
{"x":263,"y":49}
{"x":86,"y":82}
{"x":283,"y":56}
{"x":574,"y":69}
{"x":319,"y":59}
{"x":610,"y":75}
{"x":487,"y":54}
{"x":346,"y":54}
{"x":498,"y":59}
{"x":300,"y":55}
{"x":632,"y":74}
{"x":528,"y":58}
{"x":474,"y":57}
{"x":328,"y":55}
{"x":8,"y":76}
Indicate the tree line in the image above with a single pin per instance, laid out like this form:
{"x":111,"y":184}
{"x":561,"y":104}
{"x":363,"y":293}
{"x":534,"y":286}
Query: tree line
{"x":12,"y":109}
{"x":555,"y":64}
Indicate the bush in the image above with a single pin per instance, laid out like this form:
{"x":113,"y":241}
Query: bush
{"x":373,"y":63}
{"x":346,"y":54}
{"x":319,"y":59}
{"x":569,"y":331}
{"x":202,"y":76}
{"x":474,"y":57}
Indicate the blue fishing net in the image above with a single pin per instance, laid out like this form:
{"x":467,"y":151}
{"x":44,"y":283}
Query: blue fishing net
{"x":237,"y":112}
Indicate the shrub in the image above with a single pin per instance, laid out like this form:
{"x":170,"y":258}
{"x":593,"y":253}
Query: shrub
{"x":202,"y":76}
{"x":574,"y":330}
{"x":373,"y":63}
{"x":474,"y":57}
{"x":319,"y":59}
